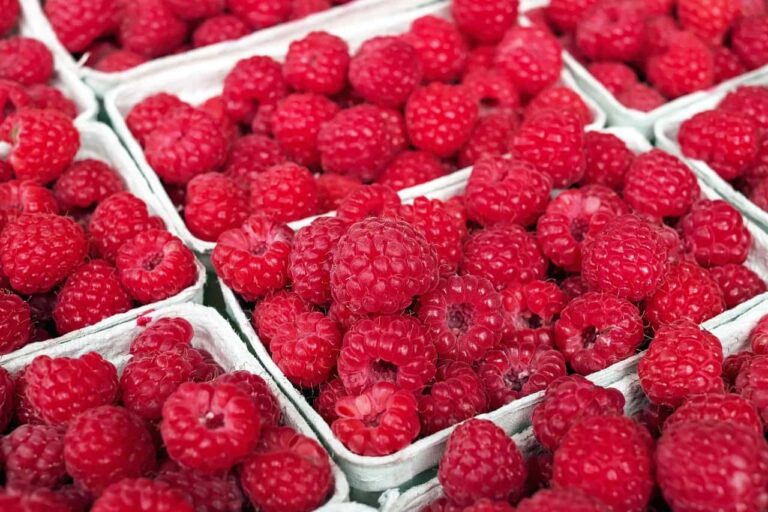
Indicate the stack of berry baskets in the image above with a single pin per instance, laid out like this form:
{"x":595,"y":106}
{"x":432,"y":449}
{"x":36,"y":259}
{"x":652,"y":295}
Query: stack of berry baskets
{"x":134,"y":109}
{"x":93,"y":201}
{"x":31,"y":74}
{"x":535,"y":315}
{"x":108,"y":49}
{"x":111,"y":377}
{"x":695,"y":45}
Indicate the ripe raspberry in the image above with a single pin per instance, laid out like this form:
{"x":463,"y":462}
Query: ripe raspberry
{"x":732,"y":366}
{"x":253,"y":81}
{"x":727,"y":64}
{"x":217,"y":110}
{"x":505,"y":254}
{"x":751,"y":383}
{"x":288,"y":472}
{"x":11,"y":11}
{"x":607,"y":160}
{"x":708,"y":19}
{"x":214,"y":204}
{"x":493,"y":92}
{"x":34,"y":457}
{"x":554,"y":500}
{"x":440,"y":118}
{"x":217,"y":29}
{"x":530,"y":57}
{"x":566,"y":14}
{"x":369,"y":201}
{"x":310,"y":263}
{"x":749,"y":42}
{"x":150,"y":28}
{"x":86,"y":183}
{"x":78,"y":24}
{"x":385,"y":71}
{"x":411,"y":168}
{"x":196,"y":9}
{"x":297,"y":122}
{"x":259,"y":13}
{"x":266,"y":403}
{"x":715,"y":234}
{"x":44,"y":143}
{"x":20,"y":197}
{"x":530,"y":311}
{"x":485,"y":21}
{"x":435,"y":221}
{"x":207,"y":493}
{"x":147,"y":114}
{"x":275,"y":311}
{"x":307,"y":348}
{"x":162,"y":335}
{"x":284,"y":193}
{"x":25,"y":60}
{"x":615,"y":76}
{"x":261,"y":124}
{"x":7,"y":398}
{"x":382,"y":420}
{"x":13,"y":97}
{"x":641,"y":97}
{"x":553,"y":141}
{"x":696,"y":462}
{"x":737,"y":283}
{"x":480,"y":461}
{"x":440,"y":48}
{"x":682,"y":360}
{"x":251,"y":155}
{"x":457,"y":395}
{"x":303,"y":8}
{"x":317,"y":64}
{"x":716,"y":407}
{"x":658,"y":184}
{"x":47,"y":97}
{"x":490,"y":137}
{"x":611,"y":30}
{"x":684,"y":67}
{"x":132,"y":494}
{"x":748,"y":101}
{"x":117,"y":220}
{"x":119,"y":60}
{"x":325,"y":402}
{"x":559,"y":97}
{"x":758,"y":338}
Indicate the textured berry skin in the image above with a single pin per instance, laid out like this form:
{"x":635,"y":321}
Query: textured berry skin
{"x":749,"y":41}
{"x":118,"y":219}
{"x":40,"y":250}
{"x":439,"y":46}
{"x":141,"y":495}
{"x":380,"y":265}
{"x":289,"y":472}
{"x":46,"y":97}
{"x":7,"y":398}
{"x":162,"y":335}
{"x":463,"y":316}
{"x":382,"y":420}
{"x":310,"y":263}
{"x":411,"y":168}
{"x":260,"y":14}
{"x":149,"y":28}
{"x":440,"y":118}
{"x":684,"y":67}
{"x":368,"y":201}
{"x":596,"y":330}
{"x":11,"y":10}
{"x":253,"y":259}
{"x":441,"y":229}
{"x":306,"y":349}
{"x":284,"y":193}
{"x":500,"y":189}
{"x":214,"y":204}
{"x":726,"y":64}
{"x":751,"y":382}
{"x":78,"y":24}
{"x":276,"y":311}
{"x":530,"y":311}
{"x":567,"y":401}
{"x":490,"y":137}
{"x":251,"y":155}
{"x":697,"y":461}
{"x":457,"y":395}
{"x":641,"y":97}
{"x":317,"y":63}
{"x":609,"y":458}
{"x":217,"y":29}
{"x":119,"y":60}
{"x":530,"y":57}
{"x":105,"y":444}
{"x":627,"y":258}
{"x":559,"y":97}
{"x":681,"y":361}
{"x":493,"y":91}
{"x":732,"y":365}
{"x":480,"y":461}
{"x":86,"y":183}
{"x":18,"y":197}
{"x":716,"y":407}
{"x":196,"y":9}
{"x":149,"y":112}
{"x":485,"y":21}
{"x":614,"y":76}
{"x":556,"y":500}
{"x":553,"y":141}
{"x":385,"y":71}
{"x":91,"y":293}
{"x":565,"y":14}
{"x":206,"y":493}
{"x":25,"y":60}
{"x":253,"y":81}
{"x":660,"y":185}
{"x":607,"y":160}
{"x":505,"y":254}
{"x":714,"y":234}
{"x":612,"y":30}
{"x":260,"y":392}
{"x":13,"y":97}
{"x":758,"y":338}
{"x":296,"y":125}
{"x":16,"y":330}
{"x":708,"y":19}
{"x":749,"y":101}
{"x":34,"y":457}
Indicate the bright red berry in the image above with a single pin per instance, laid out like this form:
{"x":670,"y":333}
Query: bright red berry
{"x":751,"y":383}
{"x":708,"y":19}
{"x":16,"y":330}
{"x":132,"y":494}
{"x":86,"y":183}
{"x":485,"y":21}
{"x":207,"y":493}
{"x":118,"y":219}
{"x":162,"y":335}
{"x":219,"y":28}
{"x":660,"y":185}
{"x":566,"y":14}
{"x":34,"y":456}
{"x":275,"y":311}
{"x":531,"y":57}
{"x":616,"y":77}
{"x":25,"y":60}
{"x":641,"y":97}
{"x":737,"y":283}
{"x":261,"y":14}
{"x":251,"y":155}
{"x":684,"y":67}
{"x":607,"y":160}
{"x":714,"y":233}
{"x":559,"y":97}
{"x":490,"y":137}
{"x":718,"y":407}
{"x":78,"y":24}
{"x":749,"y":41}
{"x":385,"y":71}
{"x":11,"y":10}
{"x":214,"y":204}
{"x":555,"y":500}
{"x":307,"y":348}
{"x":19,"y":197}
{"x":149,"y":112}
{"x":150,"y":28}
{"x":310,"y":264}
{"x":455,"y":396}
{"x":261,"y":393}
{"x":297,"y":122}
{"x":611,"y":30}
{"x":440,"y":48}
{"x":284,"y":193}
{"x":252,"y":82}
{"x":411,"y":168}
{"x":726,"y":64}
{"x":374,"y":200}
{"x":317,"y":64}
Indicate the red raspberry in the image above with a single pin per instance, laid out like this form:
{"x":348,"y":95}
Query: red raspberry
{"x":607,"y":160}
{"x":368,"y":201}
{"x":708,"y":19}
{"x":119,"y":60}
{"x":737,"y":283}
{"x":748,"y":101}
{"x":727,"y":64}
{"x":641,"y":97}
{"x":259,"y":13}
{"x":310,"y":264}
{"x":13,"y":97}
{"x":732,"y":365}
{"x":79,"y":24}
{"x":117,"y":220}
{"x":34,"y":457}
{"x":559,"y":97}
{"x":485,"y":21}
{"x":566,"y":14}
{"x":530,"y":57}
{"x":609,"y":458}
{"x":162,"y":335}
{"x":306,"y":349}
{"x":751,"y":383}
{"x":385,"y":281}
{"x":284,"y":193}
{"x":715,"y":234}
{"x":217,"y":110}
{"x":385,"y":71}
{"x":574,"y":286}
{"x":530,"y":311}
{"x":480,"y":461}
{"x":150,"y":28}
{"x":325,"y":402}
{"x":684,"y":67}
{"x":555,"y":500}
{"x":440,"y":118}
{"x":207,"y":493}
{"x":493,"y":92}
{"x":627,"y":258}
{"x":297,"y":123}
{"x":47,"y":97}
{"x":86,"y":183}
{"x":758,"y":338}
{"x":251,"y":155}
{"x":382,"y":420}
{"x":615,"y":76}
{"x":411,"y":168}
{"x":147,"y":114}
{"x":434,"y":220}
{"x":44,"y":143}
{"x":7,"y":398}
{"x":504,"y":190}
{"x":11,"y":11}
{"x":261,"y":124}
{"x":658,"y":184}
{"x":288,"y":472}
{"x":456,"y":395}
{"x":570,"y":217}
{"x":196,"y":9}
{"x":260,"y":392}
{"x":132,"y":494}
{"x":490,"y":137}
{"x":317,"y":64}
{"x":275,"y":312}
{"x":612,"y":30}
{"x":20,"y":197}
{"x":681,"y":361}
{"x":303,"y":8}
{"x":505,"y":254}
{"x":749,"y":42}
{"x":253,"y":81}
{"x":463,"y":315}
{"x":214,"y":204}
{"x":25,"y":60}
{"x":716,"y":407}
{"x":553,"y":141}
{"x":217,"y":29}
{"x":440,"y":48}
{"x":696,"y":462}
{"x":521,"y":368}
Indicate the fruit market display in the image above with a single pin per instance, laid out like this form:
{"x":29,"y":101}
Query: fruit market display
{"x":169,"y":431}
{"x":649,"y":52}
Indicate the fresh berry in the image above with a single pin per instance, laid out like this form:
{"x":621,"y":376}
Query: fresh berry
{"x":262,"y":395}
{"x":284,"y":193}
{"x":317,"y":64}
{"x":737,"y":283}
{"x":207,"y":493}
{"x":7,"y":398}
{"x":440,"y":48}
{"x":251,"y":155}
{"x":147,"y":114}
{"x":436,"y":222}
{"x":411,"y":168}
{"x":559,"y":97}
{"x":566,"y":14}
{"x":530,"y":311}
{"x":119,"y":60}
{"x":261,"y":14}
{"x":196,"y":9}
{"x":748,"y":101}
{"x":485,"y":21}
{"x":86,"y":183}
{"x":132,"y":494}
{"x":310,"y":263}
{"x":117,"y":220}
{"x":749,"y":41}
{"x":276,"y":311}
{"x":641,"y":97}
{"x":150,"y":28}
{"x":214,"y":204}
{"x":718,"y":407}
{"x":217,"y":29}
{"x":726,"y":64}
{"x":13,"y":97}
{"x":531,"y":57}
{"x":455,"y":396}
{"x":385,"y":71}
{"x":555,"y":500}
{"x":684,"y":67}
{"x":714,"y":233}
{"x":607,"y":160}
{"x":79,"y":24}
{"x":252,"y":82}
{"x":20,"y":197}
{"x":34,"y":457}
{"x":659,"y":184}
{"x":11,"y":10}
{"x":297,"y":122}
{"x":751,"y":383}
{"x":490,"y":137}
{"x":615,"y":76}
{"x":307,"y":348}
{"x":612,"y":30}
{"x":25,"y":60}
{"x":493,"y":91}
{"x":374,"y":200}
{"x":162,"y":335}
{"x":732,"y":365}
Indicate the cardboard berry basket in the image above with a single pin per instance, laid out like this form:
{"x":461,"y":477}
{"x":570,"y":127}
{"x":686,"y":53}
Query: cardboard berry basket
{"x":196,"y":83}
{"x":99,"y":142}
{"x":367,"y":473}
{"x":666,"y":138}
{"x":212,"y":333}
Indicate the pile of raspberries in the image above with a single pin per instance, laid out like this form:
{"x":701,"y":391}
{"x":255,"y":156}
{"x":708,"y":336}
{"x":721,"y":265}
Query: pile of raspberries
{"x":116,"y":35}
{"x":75,"y":246}
{"x":647,"y":52}
{"x":172,"y":432}
{"x":292,"y":140}
{"x":698,"y":445}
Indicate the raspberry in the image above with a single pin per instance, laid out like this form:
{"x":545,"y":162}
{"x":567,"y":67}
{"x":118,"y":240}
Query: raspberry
{"x":162,"y":335}
{"x":411,"y":168}
{"x":385,"y":71}
{"x":34,"y":457}
{"x":480,"y":461}
{"x":434,"y":220}
{"x":530,"y":311}
{"x":150,"y":28}
{"x":380,"y":421}
{"x":11,"y":11}
{"x":13,"y":97}
{"x":440,"y":48}
{"x":214,"y":204}
{"x":7,"y":398}
{"x":737,"y":283}
{"x":494,"y":183}
{"x":530,"y":57}
{"x":259,"y":13}
{"x":708,"y":19}
{"x":217,"y":29}
{"x":329,"y":393}
{"x":696,"y":462}
{"x":217,"y":110}
{"x":20,"y":197}
{"x":317,"y":64}
{"x":521,"y":368}
{"x":196,"y":9}
{"x":117,"y":220}
{"x":726,"y":64}
{"x":732,"y":365}
{"x":758,"y":338}
{"x":284,"y":192}
{"x":611,"y":30}
{"x":207,"y":493}
{"x":47,"y":97}
{"x":716,"y":407}
{"x":91,"y":293}
{"x":566,"y":14}
{"x":119,"y":60}
{"x":253,"y":81}
{"x":261,"y":124}
{"x":681,"y":361}
{"x":297,"y":123}
{"x":44,"y":143}
{"x":368,"y":201}
{"x":554,"y":500}
{"x":493,"y":92}
{"x":553,"y":141}
{"x":456,"y":395}
{"x":147,"y":114}
{"x":715,"y":234}
{"x":607,"y":160}
{"x":615,"y":77}
{"x":641,"y":97}
{"x":25,"y":60}
{"x":78,"y":24}
{"x":748,"y":101}
{"x":275,"y":312}
{"x":303,"y":8}
{"x":440,"y":118}
{"x":67,"y":499}
{"x":749,"y":42}
{"x":86,"y":183}
{"x":310,"y":262}
{"x":570,"y":217}
{"x":660,"y":185}
{"x":141,"y":494}
{"x":505,"y":254}
{"x":684,"y":67}
{"x":751,"y":382}
{"x":251,"y":155}
{"x":306,"y":349}
{"x":490,"y":138}
{"x":259,"y":391}
{"x":485,"y":21}
{"x":559,"y":97}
